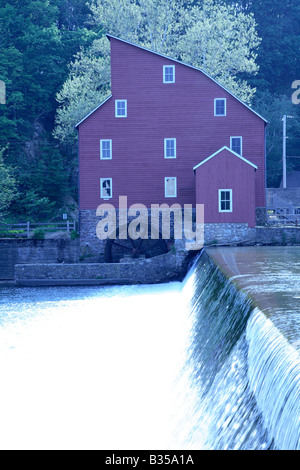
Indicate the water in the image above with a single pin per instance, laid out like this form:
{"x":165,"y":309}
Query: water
{"x":175,"y":366}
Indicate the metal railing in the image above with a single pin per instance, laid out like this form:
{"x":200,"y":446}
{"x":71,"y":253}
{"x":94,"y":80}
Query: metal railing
{"x":280,"y":212}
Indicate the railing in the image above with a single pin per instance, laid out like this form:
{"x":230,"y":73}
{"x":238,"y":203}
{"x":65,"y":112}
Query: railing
{"x":27,"y":228}
{"x":280,"y":212}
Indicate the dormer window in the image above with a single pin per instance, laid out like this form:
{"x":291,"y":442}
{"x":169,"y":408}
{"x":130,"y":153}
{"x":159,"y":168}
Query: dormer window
{"x":169,"y":73}
{"x":220,"y":107}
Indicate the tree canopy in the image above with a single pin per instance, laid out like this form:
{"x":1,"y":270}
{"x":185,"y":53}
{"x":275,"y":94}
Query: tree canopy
{"x":55,"y":66}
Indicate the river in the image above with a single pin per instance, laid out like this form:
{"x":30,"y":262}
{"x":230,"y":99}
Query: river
{"x":170,"y":366}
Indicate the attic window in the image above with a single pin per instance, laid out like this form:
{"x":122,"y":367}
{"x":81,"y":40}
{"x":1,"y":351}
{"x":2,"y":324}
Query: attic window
{"x":169,"y":73}
{"x":121,"y":108}
{"x":220,"y":107}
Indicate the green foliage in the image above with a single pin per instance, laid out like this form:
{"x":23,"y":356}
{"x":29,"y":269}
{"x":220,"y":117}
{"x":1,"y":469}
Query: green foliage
{"x":8,"y":186}
{"x":211,"y":36}
{"x":38,"y":234}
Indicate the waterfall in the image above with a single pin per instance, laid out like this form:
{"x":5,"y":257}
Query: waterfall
{"x":246,"y":374}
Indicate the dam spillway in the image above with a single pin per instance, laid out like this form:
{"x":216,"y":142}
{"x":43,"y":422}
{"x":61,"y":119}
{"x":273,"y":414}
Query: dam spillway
{"x":210,"y":363}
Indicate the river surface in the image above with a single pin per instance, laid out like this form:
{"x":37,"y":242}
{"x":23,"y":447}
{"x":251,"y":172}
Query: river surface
{"x":173,"y":366}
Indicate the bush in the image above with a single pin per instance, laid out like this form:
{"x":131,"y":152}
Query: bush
{"x":39,"y":234}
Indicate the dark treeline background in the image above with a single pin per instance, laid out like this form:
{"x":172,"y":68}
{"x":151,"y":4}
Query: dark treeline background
{"x":39,"y":38}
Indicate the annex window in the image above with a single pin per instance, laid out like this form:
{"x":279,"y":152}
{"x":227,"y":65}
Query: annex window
{"x":225,"y":200}
{"x":121,"y":108}
{"x":220,"y":107}
{"x":169,"y":73}
{"x":236,"y":145}
{"x":170,"y":148}
{"x":170,"y":187}
{"x":106,"y":188}
{"x":105,"y":149}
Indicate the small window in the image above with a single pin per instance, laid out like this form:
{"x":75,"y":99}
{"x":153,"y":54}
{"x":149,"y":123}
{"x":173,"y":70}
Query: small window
{"x":225,"y":200}
{"x":236,"y":145}
{"x":105,"y":149}
{"x":169,"y":73}
{"x":170,"y":148}
{"x":170,"y":187}
{"x":121,"y":108}
{"x":106,"y":188}
{"x":220,"y":107}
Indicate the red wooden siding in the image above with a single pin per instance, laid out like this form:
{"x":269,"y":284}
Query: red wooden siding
{"x":183,"y":110}
{"x":226,"y":171}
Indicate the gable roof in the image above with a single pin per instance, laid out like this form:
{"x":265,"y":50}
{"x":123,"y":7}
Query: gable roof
{"x":109,"y":36}
{"x":221,"y":150}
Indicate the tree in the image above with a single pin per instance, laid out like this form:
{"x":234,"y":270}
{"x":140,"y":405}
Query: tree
{"x":211,"y":36}
{"x":8,"y":185}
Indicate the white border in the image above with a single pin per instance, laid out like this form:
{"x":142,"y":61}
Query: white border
{"x":231,"y":202}
{"x":164,"y":73}
{"x":174,"y":178}
{"x":215,"y":103}
{"x":116,"y":109}
{"x":101,"y":188}
{"x":165,"y":148}
{"x":237,"y":137}
{"x":101,"y":149}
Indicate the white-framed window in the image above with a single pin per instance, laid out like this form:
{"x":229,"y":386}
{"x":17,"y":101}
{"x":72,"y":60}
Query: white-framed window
{"x":220,"y":107}
{"x":105,"y":149}
{"x":170,"y":148}
{"x":106,"y":188}
{"x":170,"y":186}
{"x":236,"y":145}
{"x":121,"y":108}
{"x":225,"y":200}
{"x":169,"y":73}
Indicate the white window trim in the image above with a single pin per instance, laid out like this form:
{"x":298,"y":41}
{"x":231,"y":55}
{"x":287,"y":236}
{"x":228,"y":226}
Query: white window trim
{"x":101,"y":189}
{"x":164,"y":74}
{"x":101,"y":149}
{"x":215,"y":107}
{"x":231,"y":202}
{"x":116,"y":109}
{"x":165,"y":147}
{"x":175,"y":179}
{"x":241,"y":139}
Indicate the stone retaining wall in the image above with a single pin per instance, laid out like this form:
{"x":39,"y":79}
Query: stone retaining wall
{"x":20,"y":251}
{"x":161,"y":269}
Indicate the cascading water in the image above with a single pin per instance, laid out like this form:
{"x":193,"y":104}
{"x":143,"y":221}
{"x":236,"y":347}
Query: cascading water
{"x":175,"y":366}
{"x":246,"y":373}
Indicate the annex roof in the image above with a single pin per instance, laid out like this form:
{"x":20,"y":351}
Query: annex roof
{"x":109,"y":36}
{"x":221,"y":150}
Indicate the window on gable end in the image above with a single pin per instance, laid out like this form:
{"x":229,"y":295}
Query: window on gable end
{"x":106,"y":188}
{"x":169,"y":74}
{"x":225,"y":200}
{"x":121,"y":108}
{"x":105,"y":149}
{"x":236,"y":145}
{"x":171,"y":187}
{"x":220,"y":107}
{"x":170,"y":148}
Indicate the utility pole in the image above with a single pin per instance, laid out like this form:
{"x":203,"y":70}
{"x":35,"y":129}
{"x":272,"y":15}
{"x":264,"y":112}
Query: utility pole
{"x":284,"y":152}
